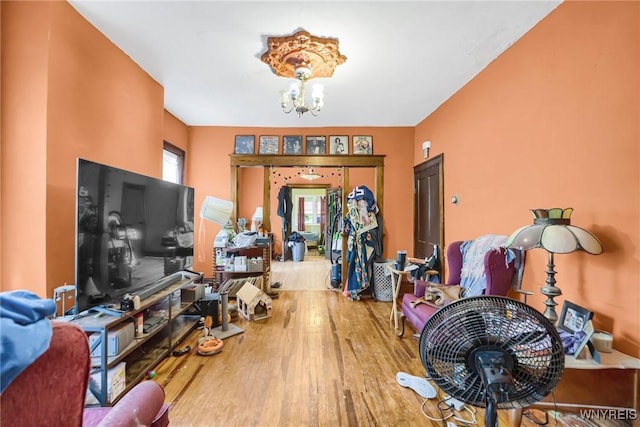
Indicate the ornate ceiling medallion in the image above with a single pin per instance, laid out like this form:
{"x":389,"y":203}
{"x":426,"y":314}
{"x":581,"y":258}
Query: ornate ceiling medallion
{"x":302,"y":50}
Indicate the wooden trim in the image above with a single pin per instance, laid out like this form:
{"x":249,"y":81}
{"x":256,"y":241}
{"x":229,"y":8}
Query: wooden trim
{"x":302,"y":161}
{"x":344,"y":265}
{"x":309,"y":185}
{"x":235,"y":188}
{"x":266,"y":199}
{"x":380,"y":188}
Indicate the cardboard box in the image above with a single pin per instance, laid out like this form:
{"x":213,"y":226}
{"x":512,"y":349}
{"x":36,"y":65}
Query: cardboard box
{"x":193,"y":292}
{"x":118,"y":338}
{"x":116,"y":383}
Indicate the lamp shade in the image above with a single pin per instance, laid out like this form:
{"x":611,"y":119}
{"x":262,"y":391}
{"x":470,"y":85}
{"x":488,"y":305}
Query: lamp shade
{"x":552,"y":231}
{"x":216,"y":210}
{"x":257,"y":215}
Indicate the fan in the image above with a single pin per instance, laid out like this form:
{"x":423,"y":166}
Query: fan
{"x":492,"y":352}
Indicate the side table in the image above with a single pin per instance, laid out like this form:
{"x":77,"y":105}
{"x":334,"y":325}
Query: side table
{"x":614,"y":360}
{"x":396,"y":279}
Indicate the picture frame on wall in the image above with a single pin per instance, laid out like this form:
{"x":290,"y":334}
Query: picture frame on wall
{"x":316,"y":145}
{"x":339,"y":145}
{"x":292,"y":144}
{"x":362,"y":145}
{"x":244,"y":144}
{"x":573,"y":318}
{"x":268,"y":144}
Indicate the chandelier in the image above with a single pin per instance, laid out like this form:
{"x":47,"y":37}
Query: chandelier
{"x":295,"y":98}
{"x":302,"y":56}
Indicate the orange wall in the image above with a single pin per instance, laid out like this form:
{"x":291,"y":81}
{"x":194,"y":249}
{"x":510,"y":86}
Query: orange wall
{"x":84,"y":98}
{"x":209,"y":173}
{"x":25,"y":30}
{"x":176,"y":132}
{"x":553,"y":122}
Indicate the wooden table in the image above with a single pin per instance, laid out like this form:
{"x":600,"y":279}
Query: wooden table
{"x":396,"y":279}
{"x":613,"y":360}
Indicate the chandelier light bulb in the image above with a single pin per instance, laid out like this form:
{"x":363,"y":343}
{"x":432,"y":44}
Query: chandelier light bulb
{"x":317,"y":92}
{"x":284,"y":98}
{"x":294,"y":90}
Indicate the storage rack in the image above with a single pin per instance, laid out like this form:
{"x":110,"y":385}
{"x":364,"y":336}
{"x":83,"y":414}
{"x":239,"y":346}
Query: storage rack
{"x":145,"y":351}
{"x":220,"y":275}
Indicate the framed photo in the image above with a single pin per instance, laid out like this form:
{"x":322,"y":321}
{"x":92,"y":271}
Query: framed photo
{"x":292,"y":144}
{"x":362,"y":145}
{"x":268,"y":144}
{"x":573,"y":317}
{"x":316,"y":145}
{"x":339,"y":144}
{"x":588,"y":333}
{"x":245,"y":144}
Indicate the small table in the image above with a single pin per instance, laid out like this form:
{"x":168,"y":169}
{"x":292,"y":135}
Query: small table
{"x":396,"y":279}
{"x":613,"y":360}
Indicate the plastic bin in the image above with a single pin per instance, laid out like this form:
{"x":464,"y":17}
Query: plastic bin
{"x":297,"y":251}
{"x":382,"y":281}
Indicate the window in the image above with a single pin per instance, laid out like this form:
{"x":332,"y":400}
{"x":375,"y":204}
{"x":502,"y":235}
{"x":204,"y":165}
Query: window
{"x":172,"y":163}
{"x":312,"y":210}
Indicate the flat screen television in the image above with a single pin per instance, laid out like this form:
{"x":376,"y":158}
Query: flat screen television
{"x":134,"y":234}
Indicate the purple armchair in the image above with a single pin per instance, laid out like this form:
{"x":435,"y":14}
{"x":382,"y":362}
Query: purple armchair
{"x":51,"y":391}
{"x":499,"y":279}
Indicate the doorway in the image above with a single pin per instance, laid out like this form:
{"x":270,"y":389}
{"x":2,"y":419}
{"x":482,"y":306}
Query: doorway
{"x":428,"y":206}
{"x":308,"y":219}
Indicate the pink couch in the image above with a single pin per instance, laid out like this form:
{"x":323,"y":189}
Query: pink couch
{"x":499,"y":279}
{"x":51,"y":391}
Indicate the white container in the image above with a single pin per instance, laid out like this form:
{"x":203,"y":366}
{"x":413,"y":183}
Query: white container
{"x":116,"y":383}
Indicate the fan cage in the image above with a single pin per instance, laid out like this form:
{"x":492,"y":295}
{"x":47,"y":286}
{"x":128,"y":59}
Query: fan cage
{"x":507,"y":325}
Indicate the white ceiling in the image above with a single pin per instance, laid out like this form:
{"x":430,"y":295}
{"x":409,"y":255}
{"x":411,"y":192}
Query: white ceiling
{"x":404,"y":58}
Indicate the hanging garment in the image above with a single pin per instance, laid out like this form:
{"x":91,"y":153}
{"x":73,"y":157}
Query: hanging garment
{"x":285,"y":205}
{"x":363,"y":226}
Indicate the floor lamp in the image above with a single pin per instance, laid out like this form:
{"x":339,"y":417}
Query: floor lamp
{"x":552,"y":231}
{"x":219,"y":211}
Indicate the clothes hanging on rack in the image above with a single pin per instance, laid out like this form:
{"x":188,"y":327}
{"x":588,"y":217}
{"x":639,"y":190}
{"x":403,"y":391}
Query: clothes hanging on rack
{"x":363,"y":226}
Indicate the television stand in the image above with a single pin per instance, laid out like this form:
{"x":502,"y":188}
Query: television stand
{"x":147,"y":349}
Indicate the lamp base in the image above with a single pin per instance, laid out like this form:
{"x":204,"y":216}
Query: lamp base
{"x":550,"y":290}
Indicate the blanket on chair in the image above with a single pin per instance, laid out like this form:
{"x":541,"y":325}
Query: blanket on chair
{"x":25,"y":332}
{"x":472,"y":277}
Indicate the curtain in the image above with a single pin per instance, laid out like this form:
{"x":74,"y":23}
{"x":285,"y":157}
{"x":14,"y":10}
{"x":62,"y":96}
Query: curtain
{"x":301,"y":214}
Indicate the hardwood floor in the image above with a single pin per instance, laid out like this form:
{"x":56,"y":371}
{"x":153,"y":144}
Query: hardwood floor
{"x":312,"y":274}
{"x":321,"y":360}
